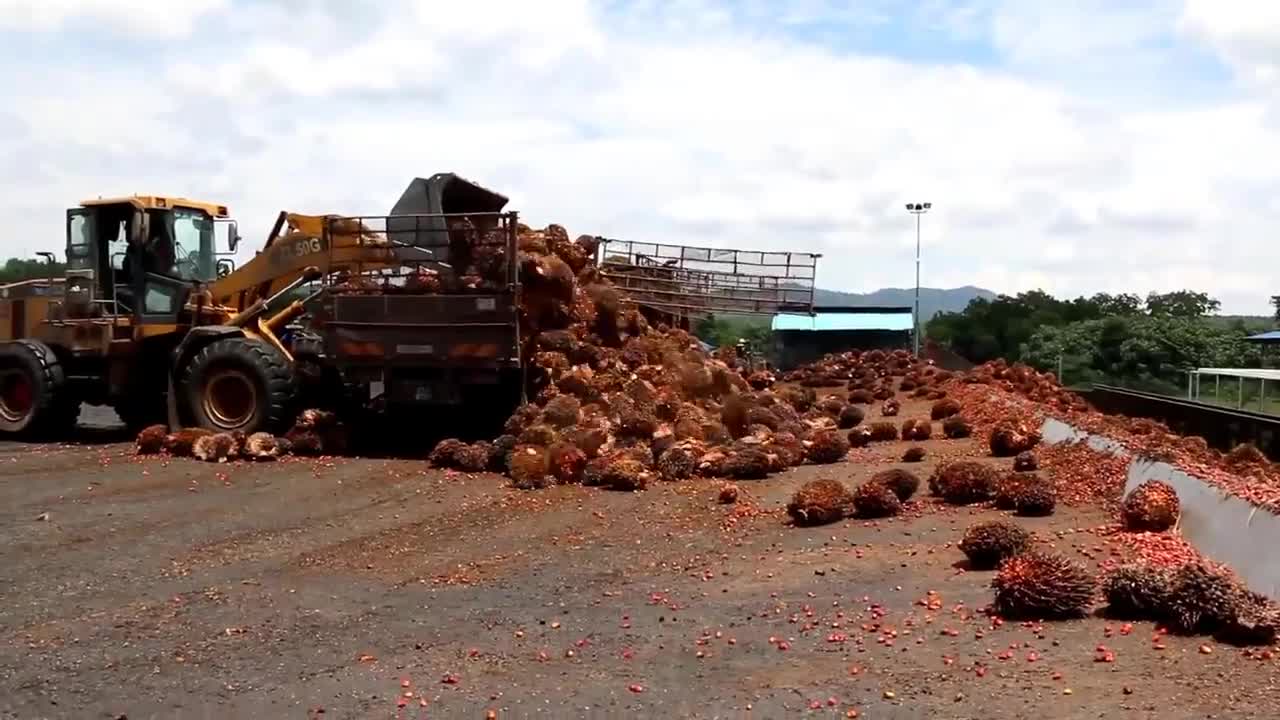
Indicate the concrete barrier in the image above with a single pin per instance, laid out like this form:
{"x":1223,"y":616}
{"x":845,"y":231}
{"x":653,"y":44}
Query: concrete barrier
{"x":1222,"y":527}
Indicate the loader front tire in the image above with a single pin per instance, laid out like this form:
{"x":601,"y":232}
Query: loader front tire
{"x":35,"y":401}
{"x":240,"y":384}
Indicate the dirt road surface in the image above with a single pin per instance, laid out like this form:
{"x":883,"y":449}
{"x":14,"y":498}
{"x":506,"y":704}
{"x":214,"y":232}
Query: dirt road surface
{"x":152,"y":588}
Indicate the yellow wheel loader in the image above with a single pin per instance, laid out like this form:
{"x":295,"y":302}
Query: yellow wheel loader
{"x":132,"y":313}
{"x":149,"y":320}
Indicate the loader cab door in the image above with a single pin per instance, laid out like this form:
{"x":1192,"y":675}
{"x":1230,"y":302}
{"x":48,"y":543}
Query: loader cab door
{"x":97,"y":248}
{"x":81,"y":286}
{"x":81,"y":239}
{"x":174,"y":249}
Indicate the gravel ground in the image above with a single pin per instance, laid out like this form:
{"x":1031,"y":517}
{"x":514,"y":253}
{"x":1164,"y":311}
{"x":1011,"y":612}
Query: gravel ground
{"x":379,"y":589}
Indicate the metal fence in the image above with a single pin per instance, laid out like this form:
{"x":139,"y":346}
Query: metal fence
{"x":700,"y":280}
{"x":1225,"y":390}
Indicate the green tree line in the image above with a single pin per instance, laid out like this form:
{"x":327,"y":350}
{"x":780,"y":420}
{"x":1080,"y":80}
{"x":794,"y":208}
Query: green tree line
{"x":721,"y":330}
{"x":990,"y":329}
{"x":19,"y":269}
{"x":1146,"y":343}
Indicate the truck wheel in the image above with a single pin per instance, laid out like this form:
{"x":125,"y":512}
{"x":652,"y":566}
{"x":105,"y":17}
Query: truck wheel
{"x":35,"y":402}
{"x":239,"y":384}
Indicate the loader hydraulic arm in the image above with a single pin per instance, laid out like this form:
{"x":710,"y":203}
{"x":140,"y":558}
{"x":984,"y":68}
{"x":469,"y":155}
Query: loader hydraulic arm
{"x":327,"y":243}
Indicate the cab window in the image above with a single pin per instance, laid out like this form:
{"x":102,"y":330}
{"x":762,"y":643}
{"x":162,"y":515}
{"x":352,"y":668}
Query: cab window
{"x":192,"y":245}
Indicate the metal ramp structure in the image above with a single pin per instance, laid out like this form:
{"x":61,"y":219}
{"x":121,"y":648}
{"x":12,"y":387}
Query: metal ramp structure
{"x":684,"y":281}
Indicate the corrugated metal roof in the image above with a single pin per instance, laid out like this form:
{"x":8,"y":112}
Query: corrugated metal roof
{"x":1266,"y":337}
{"x":1254,"y":373}
{"x":843,"y":321}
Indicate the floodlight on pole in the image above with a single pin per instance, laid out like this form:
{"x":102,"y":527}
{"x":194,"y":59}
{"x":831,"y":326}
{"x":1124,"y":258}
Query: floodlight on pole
{"x":917,"y":209}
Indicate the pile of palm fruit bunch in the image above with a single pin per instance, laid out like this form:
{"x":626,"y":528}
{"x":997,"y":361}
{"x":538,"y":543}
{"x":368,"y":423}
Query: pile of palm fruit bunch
{"x":619,"y":402}
{"x":1244,"y":472}
{"x":1192,"y":597}
{"x":314,"y":433}
{"x":477,"y":258}
{"x":1019,"y":379}
{"x":870,"y":375}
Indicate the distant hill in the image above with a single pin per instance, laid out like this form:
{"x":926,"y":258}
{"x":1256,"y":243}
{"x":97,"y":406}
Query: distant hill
{"x":932,"y":300}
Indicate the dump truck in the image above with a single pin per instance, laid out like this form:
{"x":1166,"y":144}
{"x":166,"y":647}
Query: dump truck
{"x":420,"y":332}
{"x":148,"y":318}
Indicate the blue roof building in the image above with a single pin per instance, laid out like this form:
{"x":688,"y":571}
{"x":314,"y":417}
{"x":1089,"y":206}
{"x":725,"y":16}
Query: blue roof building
{"x":801,"y":339}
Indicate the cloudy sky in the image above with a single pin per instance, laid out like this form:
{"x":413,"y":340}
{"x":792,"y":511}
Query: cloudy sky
{"x":1096,"y":145}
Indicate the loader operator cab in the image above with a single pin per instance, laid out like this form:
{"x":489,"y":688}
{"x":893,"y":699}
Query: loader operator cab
{"x":139,"y":256}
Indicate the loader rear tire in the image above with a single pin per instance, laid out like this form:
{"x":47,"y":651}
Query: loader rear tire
{"x":35,"y":401}
{"x":240,"y":384}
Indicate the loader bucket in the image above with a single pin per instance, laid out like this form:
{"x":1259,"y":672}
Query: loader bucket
{"x":442,"y":193}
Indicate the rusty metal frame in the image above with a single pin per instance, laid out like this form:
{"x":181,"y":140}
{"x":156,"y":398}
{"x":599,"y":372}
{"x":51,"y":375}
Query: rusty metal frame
{"x":685,"y":279}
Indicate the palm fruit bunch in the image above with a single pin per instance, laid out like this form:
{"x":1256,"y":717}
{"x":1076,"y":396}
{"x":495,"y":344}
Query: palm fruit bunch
{"x":819,"y":502}
{"x":987,"y":544}
{"x":789,"y":448}
{"x":747,"y":463}
{"x":262,"y":446}
{"x":562,"y":411}
{"x":1035,"y":499}
{"x":831,"y":406}
{"x":944,"y":409}
{"x":903,"y":483}
{"x":1137,"y":591}
{"x":916,"y":430}
{"x":861,"y":397}
{"x":474,"y":457}
{"x":500,"y":452}
{"x":1008,"y":486}
{"x":568,"y":462}
{"x":318,"y":426}
{"x":150,"y":439}
{"x":860,"y":437}
{"x":445,"y":454}
{"x":1201,"y":597}
{"x":956,"y":428}
{"x":304,"y":442}
{"x":218,"y":447}
{"x":1151,"y":507}
{"x":679,"y":461}
{"x":180,"y":442}
{"x":1008,"y":441}
{"x":964,"y":482}
{"x":883,"y":431}
{"x":1040,"y":585}
{"x":625,"y":472}
{"x":529,"y":467}
{"x":1025,"y":462}
{"x":850,"y":417}
{"x":728,"y":494}
{"x":1256,"y":621}
{"x":1245,"y":455}
{"x":913,"y":454}
{"x":453,"y":454}
{"x":826,"y":446}
{"x":875,"y":499}
{"x":890,"y":408}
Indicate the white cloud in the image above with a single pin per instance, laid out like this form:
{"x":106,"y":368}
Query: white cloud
{"x":172,"y":18}
{"x":712,"y":128}
{"x":1246,"y":33}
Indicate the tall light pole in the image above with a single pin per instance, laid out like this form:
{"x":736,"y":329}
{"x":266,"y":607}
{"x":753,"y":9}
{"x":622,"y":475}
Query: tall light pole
{"x":917,"y":209}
